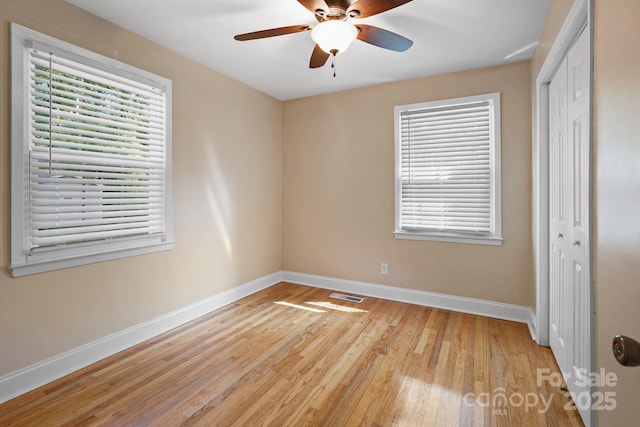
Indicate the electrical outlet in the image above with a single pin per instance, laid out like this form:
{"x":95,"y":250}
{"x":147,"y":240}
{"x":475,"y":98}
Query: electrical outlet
{"x":384,"y":268}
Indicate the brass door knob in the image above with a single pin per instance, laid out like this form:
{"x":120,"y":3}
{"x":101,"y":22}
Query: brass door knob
{"x":626,"y":350}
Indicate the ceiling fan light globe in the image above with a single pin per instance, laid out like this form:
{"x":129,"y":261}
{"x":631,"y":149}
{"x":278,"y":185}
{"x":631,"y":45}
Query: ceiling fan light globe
{"x":334,"y":36}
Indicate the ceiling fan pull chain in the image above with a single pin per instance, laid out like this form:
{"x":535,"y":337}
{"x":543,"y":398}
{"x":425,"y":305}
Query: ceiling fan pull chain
{"x":333,"y":64}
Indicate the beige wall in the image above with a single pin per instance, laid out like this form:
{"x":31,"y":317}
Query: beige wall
{"x":338,"y":190}
{"x":617,"y":140}
{"x":226,"y":199}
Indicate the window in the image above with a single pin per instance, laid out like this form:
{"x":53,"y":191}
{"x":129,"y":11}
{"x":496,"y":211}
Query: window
{"x":91,"y":157}
{"x":448,"y":170}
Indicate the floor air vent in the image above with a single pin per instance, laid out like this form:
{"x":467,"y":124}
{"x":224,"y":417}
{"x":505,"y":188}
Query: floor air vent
{"x":346,"y":297}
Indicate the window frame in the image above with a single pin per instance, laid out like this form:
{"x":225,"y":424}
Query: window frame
{"x":494,"y":238}
{"x":22,"y":261}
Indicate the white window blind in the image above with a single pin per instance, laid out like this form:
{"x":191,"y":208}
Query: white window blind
{"x":96,"y":157}
{"x":446,"y":167}
{"x":97,"y":154}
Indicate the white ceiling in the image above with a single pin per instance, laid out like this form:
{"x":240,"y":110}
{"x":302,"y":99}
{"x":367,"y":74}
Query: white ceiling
{"x":448,"y":35}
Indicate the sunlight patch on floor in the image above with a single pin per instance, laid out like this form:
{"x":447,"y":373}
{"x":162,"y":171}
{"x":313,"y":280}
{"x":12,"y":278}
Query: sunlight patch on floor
{"x":332,"y":306}
{"x":419,"y":401}
{"x":301,"y":307}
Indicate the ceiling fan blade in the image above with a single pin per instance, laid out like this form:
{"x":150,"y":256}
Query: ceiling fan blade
{"x":318,"y":58}
{"x":314,"y":5}
{"x":373,"y":7}
{"x":383,"y":38}
{"x":272,"y":32}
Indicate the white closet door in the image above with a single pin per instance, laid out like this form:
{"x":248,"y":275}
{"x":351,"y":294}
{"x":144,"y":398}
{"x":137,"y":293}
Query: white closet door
{"x":578,"y":116}
{"x":570,"y":291}
{"x":560,"y":321}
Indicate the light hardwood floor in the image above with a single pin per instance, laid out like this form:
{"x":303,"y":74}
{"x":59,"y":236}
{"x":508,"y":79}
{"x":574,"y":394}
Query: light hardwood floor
{"x":291,"y":356}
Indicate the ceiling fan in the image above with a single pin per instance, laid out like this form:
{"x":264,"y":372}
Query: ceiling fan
{"x":333,"y":34}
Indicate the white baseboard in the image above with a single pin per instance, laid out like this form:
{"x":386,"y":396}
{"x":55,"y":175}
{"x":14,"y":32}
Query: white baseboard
{"x":41,"y":373}
{"x":498,"y":310}
{"x":533,"y":324}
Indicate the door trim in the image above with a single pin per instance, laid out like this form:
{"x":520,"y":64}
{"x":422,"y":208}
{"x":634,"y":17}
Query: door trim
{"x":574,"y":24}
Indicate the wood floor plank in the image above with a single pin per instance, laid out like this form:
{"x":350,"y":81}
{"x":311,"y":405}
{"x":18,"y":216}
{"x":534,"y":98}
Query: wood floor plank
{"x":291,"y":356}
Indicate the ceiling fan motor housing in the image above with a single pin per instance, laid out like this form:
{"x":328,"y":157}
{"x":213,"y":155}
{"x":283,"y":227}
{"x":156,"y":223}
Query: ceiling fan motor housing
{"x":338,"y":9}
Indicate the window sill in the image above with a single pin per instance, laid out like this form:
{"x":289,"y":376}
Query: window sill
{"x":489,"y":241}
{"x":41,"y":266}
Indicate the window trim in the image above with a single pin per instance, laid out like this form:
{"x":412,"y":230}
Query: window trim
{"x":21,"y":262}
{"x":495,"y":238}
